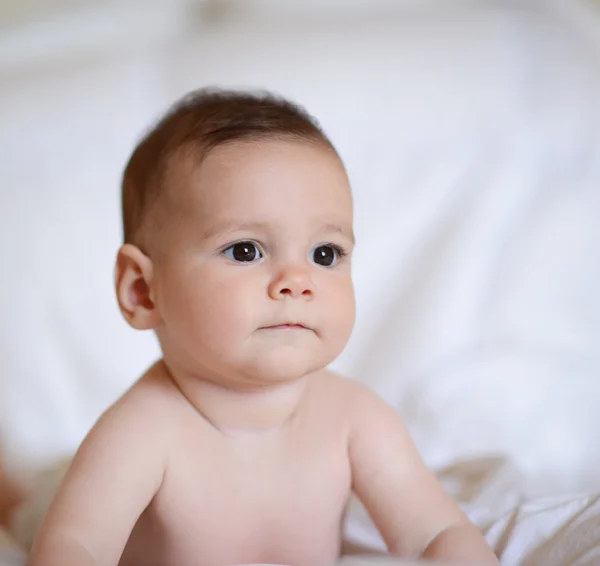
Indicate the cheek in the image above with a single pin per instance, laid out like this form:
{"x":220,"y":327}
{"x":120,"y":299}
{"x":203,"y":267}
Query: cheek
{"x":211,"y":306}
{"x":341,"y":306}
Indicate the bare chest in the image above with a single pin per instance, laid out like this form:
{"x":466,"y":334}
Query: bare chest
{"x":249,"y":500}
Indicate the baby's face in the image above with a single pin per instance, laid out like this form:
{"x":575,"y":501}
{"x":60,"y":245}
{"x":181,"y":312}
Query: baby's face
{"x":254,"y":284}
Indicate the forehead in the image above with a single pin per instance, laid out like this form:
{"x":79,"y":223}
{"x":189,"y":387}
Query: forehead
{"x":268,"y":180}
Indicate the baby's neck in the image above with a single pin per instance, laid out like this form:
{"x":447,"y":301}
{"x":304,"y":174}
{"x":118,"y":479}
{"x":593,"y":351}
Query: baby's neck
{"x":233,"y":410}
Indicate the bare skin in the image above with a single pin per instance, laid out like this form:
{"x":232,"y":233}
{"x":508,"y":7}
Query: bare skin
{"x":11,"y":495}
{"x":238,"y":446}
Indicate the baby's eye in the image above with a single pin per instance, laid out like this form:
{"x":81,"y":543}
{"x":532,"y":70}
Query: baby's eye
{"x":327,"y":255}
{"x":243,"y":252}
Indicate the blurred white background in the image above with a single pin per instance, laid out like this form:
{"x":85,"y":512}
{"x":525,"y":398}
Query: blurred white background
{"x":471,"y":131}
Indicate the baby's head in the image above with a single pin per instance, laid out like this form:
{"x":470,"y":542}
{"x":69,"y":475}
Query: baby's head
{"x":237,"y":218}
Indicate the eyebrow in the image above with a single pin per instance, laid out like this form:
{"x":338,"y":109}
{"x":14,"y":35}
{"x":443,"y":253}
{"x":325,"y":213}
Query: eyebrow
{"x":227,"y":227}
{"x":343,"y":230}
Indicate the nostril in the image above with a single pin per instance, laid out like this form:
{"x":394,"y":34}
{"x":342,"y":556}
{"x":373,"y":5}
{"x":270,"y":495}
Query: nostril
{"x":286,"y":291}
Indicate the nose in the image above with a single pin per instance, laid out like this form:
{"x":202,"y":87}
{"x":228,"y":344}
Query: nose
{"x":292,"y":282}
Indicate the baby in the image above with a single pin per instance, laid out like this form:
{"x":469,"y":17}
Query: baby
{"x":238,"y":446}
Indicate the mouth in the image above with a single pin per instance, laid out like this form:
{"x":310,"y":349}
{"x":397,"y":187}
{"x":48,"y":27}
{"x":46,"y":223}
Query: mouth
{"x":286,"y":326}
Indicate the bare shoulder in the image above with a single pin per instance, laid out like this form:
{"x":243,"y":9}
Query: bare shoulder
{"x":127,"y":451}
{"x":361,"y":409}
{"x":356,"y":396}
{"x":143,"y":418}
{"x":150,"y":402}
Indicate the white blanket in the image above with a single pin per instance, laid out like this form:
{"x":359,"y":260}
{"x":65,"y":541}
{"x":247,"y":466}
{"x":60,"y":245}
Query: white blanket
{"x":474,"y":161}
{"x":551,"y":531}
{"x":557,"y":531}
{"x":10,"y":554}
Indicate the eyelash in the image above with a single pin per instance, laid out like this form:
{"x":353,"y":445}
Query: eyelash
{"x":342,"y":253}
{"x":340,"y":250}
{"x":258,"y":245}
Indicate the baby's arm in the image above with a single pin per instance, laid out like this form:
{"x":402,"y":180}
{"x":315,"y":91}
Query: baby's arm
{"x":113,"y":477}
{"x":415,"y":516}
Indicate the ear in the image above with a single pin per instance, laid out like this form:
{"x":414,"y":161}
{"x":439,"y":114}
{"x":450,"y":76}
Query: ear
{"x":134,"y":277}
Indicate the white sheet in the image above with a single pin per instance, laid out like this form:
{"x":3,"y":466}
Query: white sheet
{"x":551,"y":531}
{"x":473,"y":156}
{"x":10,"y":554}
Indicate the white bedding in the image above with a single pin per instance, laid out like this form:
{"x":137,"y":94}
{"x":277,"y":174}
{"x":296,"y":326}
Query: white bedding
{"x":472,"y":138}
{"x":552,"y":531}
{"x":474,"y":163}
{"x":10,"y":554}
{"x":546,"y":531}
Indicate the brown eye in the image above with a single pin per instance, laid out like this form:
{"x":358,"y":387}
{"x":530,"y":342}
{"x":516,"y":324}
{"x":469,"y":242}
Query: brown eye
{"x":243,"y":252}
{"x":325,"y":255}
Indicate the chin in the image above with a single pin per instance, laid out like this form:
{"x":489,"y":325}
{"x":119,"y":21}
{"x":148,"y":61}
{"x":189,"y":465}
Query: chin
{"x":281,"y":367}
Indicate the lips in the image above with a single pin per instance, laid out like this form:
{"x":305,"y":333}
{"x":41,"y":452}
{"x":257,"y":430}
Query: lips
{"x":287,"y":326}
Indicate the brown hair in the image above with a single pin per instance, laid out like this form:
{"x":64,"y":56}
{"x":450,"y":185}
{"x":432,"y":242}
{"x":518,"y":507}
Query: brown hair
{"x":201,"y":121}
